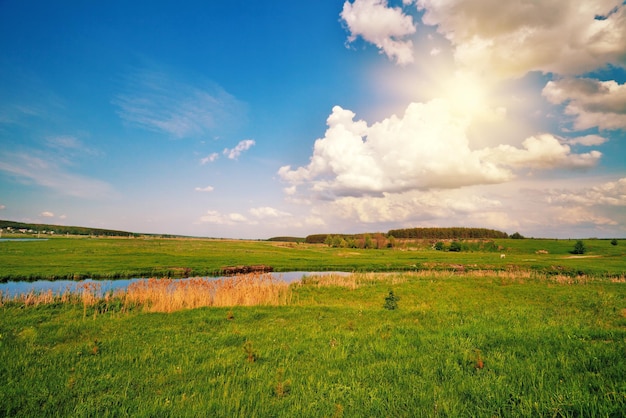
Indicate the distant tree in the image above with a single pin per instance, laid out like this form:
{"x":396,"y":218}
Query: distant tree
{"x":579,"y":248}
{"x":517,"y":235}
{"x":439,"y":246}
{"x":455,"y":246}
{"x":613,"y":241}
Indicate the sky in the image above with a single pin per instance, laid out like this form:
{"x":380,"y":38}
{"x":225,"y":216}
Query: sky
{"x":240,"y":119}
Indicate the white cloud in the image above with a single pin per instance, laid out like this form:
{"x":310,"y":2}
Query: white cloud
{"x":215,"y":217}
{"x":593,"y":103}
{"x":242,"y":146}
{"x":268,"y":212}
{"x":209,"y":158}
{"x":611,"y":193}
{"x":587,"y":140}
{"x":157,"y":102}
{"x":2,"y":207}
{"x":542,"y":151}
{"x":204,"y":189}
{"x":427,"y":148}
{"x":51,"y":173}
{"x":47,"y":214}
{"x":382,"y":26}
{"x":511,"y":38}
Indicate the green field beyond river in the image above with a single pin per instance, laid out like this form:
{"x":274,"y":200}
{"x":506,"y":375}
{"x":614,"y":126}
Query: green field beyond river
{"x":538,"y":332}
{"x":107,"y":258}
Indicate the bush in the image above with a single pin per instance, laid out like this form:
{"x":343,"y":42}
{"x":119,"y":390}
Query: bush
{"x":613,"y":241}
{"x":391,"y":301}
{"x":579,"y":248}
{"x":439,"y":246}
{"x":455,"y":246}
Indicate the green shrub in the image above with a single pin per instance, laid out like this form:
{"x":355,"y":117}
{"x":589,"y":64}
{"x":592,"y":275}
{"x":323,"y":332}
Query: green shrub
{"x":391,"y":301}
{"x":579,"y":248}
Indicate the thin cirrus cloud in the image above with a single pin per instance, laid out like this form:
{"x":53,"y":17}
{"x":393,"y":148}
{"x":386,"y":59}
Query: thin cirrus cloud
{"x":158,"y":102}
{"x":51,"y":174}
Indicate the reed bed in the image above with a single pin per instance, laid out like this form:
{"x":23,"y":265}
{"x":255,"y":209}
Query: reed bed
{"x":168,"y":295}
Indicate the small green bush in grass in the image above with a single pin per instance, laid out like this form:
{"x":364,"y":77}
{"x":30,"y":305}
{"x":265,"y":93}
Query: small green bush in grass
{"x":391,"y":301}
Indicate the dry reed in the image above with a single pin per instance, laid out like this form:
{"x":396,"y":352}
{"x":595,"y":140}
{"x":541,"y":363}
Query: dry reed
{"x":169,"y":295}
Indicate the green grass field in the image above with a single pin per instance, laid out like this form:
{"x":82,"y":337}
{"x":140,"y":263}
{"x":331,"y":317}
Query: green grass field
{"x":458,"y":345}
{"x":105,"y":258}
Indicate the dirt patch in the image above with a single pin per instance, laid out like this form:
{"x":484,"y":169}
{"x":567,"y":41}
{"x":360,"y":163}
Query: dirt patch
{"x":583,"y":256}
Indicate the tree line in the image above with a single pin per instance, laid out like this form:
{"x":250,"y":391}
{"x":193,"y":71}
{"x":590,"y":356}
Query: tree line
{"x":380,"y":240}
{"x":20,"y":227}
{"x":447,"y":233}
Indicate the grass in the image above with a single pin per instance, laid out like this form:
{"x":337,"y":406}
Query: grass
{"x":110,"y":258}
{"x":473,"y":344}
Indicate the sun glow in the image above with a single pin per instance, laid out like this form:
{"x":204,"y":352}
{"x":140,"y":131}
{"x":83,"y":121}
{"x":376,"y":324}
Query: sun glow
{"x":466,"y":94}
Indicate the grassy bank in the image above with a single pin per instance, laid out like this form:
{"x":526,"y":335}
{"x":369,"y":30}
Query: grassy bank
{"x":458,"y":345}
{"x":77,"y":258}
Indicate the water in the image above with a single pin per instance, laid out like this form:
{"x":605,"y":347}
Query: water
{"x":23,"y":239}
{"x":63,"y":286}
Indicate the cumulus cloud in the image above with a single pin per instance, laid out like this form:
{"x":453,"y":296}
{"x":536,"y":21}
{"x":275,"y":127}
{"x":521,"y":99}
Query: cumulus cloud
{"x":266,"y":212}
{"x":385,"y":27}
{"x":426,"y":148}
{"x":541,"y":151}
{"x":592,"y":103}
{"x":204,"y":189}
{"x":215,"y":217}
{"x":209,"y":158}
{"x":47,"y":214}
{"x":587,"y":140}
{"x":410,"y":207}
{"x":234,"y":153}
{"x":612,"y":193}
{"x":157,"y":102}
{"x":511,"y":38}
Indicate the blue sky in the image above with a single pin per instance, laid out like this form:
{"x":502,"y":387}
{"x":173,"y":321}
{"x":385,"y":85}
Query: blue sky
{"x":257,"y":119}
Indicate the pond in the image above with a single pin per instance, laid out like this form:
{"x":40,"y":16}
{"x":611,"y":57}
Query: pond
{"x":63,"y":286}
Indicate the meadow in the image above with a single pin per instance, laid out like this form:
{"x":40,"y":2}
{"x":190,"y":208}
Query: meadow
{"x":480,"y":344}
{"x":110,"y":258}
{"x":414,"y":332}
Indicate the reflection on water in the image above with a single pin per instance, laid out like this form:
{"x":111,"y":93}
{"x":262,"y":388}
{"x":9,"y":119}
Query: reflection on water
{"x":62,"y":286}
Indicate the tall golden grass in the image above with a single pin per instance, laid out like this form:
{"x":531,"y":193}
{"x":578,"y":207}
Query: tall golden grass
{"x":169,"y":295}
